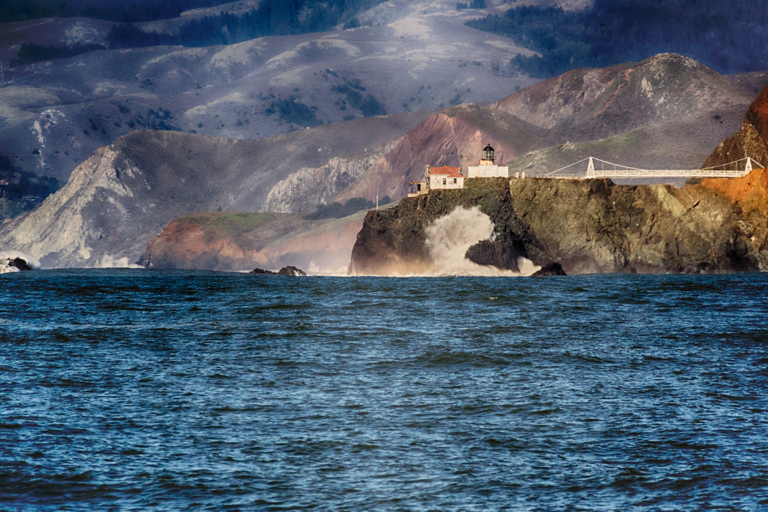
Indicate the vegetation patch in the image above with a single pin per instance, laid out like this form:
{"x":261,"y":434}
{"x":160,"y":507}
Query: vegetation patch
{"x":475,"y":4}
{"x":338,"y":210}
{"x":31,"y":52}
{"x":229,"y":224}
{"x":294,"y":112}
{"x":353,"y":90}
{"x":271,"y":18}
{"x":135,"y":10}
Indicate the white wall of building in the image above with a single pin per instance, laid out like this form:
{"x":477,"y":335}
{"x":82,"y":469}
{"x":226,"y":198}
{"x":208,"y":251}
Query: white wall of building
{"x":439,"y":181}
{"x":488,"y":171}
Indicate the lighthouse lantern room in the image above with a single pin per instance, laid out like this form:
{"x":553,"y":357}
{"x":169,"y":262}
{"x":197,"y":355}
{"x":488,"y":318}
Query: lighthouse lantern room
{"x":488,"y":167}
{"x":487,"y":155}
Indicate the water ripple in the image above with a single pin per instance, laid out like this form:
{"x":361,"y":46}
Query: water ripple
{"x":135,"y":390}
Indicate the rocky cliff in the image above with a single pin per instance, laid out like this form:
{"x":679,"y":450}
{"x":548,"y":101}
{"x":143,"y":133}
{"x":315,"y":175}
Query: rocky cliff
{"x":587,"y":226}
{"x":751,"y":140}
{"x":397,"y":240}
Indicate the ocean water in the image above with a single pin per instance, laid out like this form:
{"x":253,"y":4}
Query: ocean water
{"x":145,"y":390}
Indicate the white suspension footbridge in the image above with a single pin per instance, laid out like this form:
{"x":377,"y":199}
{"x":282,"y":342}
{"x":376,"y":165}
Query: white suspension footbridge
{"x":597,"y":168}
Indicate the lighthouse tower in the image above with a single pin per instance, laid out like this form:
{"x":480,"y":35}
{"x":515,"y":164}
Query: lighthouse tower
{"x":488,"y":156}
{"x":488,"y":167}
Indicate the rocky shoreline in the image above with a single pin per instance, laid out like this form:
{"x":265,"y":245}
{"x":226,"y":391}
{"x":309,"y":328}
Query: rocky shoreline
{"x":585,"y":226}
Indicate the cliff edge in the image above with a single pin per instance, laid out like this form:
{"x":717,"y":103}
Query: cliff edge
{"x":588,"y":226}
{"x":397,"y":241}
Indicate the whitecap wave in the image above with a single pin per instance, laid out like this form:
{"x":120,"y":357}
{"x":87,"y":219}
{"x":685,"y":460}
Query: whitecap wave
{"x":449,"y":238}
{"x":109,"y":261}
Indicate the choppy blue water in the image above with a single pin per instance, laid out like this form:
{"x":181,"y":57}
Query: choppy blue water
{"x":140,"y":390}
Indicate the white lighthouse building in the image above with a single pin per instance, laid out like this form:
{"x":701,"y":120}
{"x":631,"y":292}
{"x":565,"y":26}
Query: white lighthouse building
{"x":487,"y":167}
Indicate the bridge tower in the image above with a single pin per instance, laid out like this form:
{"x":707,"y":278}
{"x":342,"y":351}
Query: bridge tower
{"x":591,"y":168}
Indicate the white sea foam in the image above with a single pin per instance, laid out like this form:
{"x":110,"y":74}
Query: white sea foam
{"x":109,"y":261}
{"x":450,"y":236}
{"x":7,"y":256}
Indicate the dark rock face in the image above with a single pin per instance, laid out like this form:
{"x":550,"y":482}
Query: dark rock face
{"x":553,"y":269}
{"x":285,"y":271}
{"x":587,"y":226}
{"x":19,"y":264}
{"x":394,"y":241}
{"x":291,"y":271}
{"x":262,"y":272}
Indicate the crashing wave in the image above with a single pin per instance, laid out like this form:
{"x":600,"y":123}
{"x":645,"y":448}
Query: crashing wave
{"x":16,"y":261}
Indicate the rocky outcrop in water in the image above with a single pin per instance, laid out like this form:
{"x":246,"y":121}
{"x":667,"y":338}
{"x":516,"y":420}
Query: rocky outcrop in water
{"x":15,"y":261}
{"x":552,"y":269}
{"x":587,"y":226}
{"x":289,"y":271}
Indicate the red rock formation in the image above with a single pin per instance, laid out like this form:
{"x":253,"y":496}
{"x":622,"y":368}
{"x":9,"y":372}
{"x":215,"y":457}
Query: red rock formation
{"x":749,"y":192}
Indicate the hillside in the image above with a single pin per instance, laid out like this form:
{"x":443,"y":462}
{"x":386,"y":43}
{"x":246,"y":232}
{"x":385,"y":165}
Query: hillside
{"x":126,"y":193}
{"x":129,"y":191}
{"x":405,"y":57}
{"x":608,"y":32}
{"x":751,"y":140}
{"x":664,"y":112}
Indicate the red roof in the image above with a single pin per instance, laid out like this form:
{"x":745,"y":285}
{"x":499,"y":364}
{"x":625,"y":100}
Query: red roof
{"x":451,"y":172}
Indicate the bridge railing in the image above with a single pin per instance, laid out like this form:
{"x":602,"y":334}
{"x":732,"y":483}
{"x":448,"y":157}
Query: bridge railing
{"x":668,"y":173}
{"x":728,"y":170}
